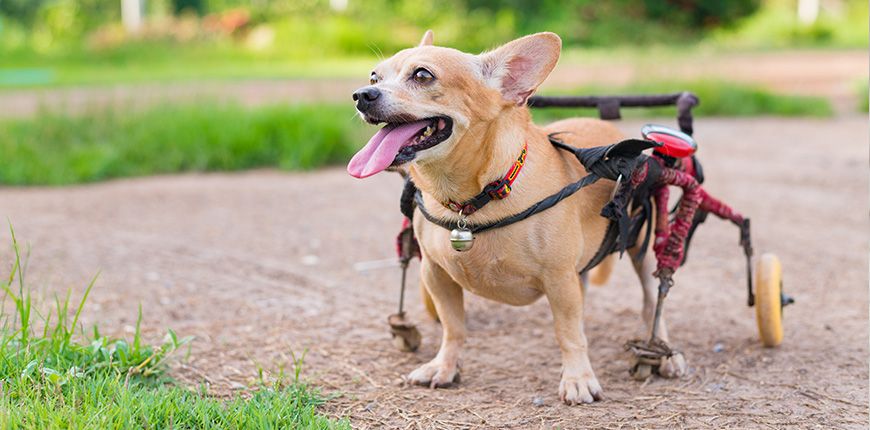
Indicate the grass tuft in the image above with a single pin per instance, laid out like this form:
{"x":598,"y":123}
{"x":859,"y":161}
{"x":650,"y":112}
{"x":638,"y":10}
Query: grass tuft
{"x":61,"y":377}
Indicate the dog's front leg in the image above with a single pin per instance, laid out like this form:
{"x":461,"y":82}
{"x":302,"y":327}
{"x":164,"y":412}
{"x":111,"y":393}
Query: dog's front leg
{"x":446,"y":294}
{"x":578,"y":384}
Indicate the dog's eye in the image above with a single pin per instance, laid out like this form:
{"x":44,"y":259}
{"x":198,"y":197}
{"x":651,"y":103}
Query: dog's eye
{"x":423,"y":76}
{"x":374,"y":78}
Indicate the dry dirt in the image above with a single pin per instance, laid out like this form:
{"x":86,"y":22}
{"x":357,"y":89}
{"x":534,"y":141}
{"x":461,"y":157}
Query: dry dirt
{"x":259,"y":264}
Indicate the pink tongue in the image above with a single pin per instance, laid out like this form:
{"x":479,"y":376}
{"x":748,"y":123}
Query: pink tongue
{"x":382,"y":148}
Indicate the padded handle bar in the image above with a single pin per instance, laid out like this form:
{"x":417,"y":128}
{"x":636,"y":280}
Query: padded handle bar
{"x":608,"y":106}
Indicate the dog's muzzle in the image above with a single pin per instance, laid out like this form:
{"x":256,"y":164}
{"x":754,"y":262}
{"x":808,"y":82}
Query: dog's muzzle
{"x":366,"y":98}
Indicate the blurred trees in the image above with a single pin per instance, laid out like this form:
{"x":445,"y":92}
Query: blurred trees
{"x":585,"y":21}
{"x":23,"y":11}
{"x":308,"y":28}
{"x":188,"y":6}
{"x":595,"y":22}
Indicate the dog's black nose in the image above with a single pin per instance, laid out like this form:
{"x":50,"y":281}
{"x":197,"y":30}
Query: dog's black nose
{"x":365,"y":97}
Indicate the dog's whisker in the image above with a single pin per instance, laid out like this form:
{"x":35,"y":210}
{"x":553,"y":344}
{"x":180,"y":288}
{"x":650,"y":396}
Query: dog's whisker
{"x":358,"y":115}
{"x":376,"y":50}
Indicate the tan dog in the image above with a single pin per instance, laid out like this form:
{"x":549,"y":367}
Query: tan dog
{"x":457,"y":122}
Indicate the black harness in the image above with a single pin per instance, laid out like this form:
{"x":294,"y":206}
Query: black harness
{"x":614,"y":162}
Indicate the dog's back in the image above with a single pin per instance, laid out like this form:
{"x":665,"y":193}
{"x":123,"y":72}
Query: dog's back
{"x":585,"y":132}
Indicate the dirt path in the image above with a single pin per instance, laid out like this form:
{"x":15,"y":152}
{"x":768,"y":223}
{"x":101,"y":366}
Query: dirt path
{"x":258,"y":264}
{"x":833,"y":74}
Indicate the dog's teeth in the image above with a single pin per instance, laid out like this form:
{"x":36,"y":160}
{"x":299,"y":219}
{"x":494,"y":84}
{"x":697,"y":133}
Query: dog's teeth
{"x":429,"y":131}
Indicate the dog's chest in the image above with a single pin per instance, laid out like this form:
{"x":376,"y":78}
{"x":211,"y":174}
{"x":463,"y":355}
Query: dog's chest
{"x":495,"y":272}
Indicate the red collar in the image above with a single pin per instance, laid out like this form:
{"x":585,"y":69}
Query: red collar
{"x":496,"y":190}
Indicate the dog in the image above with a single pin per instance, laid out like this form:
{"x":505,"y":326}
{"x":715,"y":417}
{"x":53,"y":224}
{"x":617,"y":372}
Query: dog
{"x":456,"y":122}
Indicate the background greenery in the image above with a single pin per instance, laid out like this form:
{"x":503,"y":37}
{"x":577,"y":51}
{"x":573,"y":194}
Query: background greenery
{"x":83,"y":41}
{"x":306,"y":28}
{"x":110,"y":143}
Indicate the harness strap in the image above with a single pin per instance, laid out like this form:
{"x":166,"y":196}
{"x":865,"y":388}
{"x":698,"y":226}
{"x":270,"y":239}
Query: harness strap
{"x":610,"y":162}
{"x":605,"y":249}
{"x":538,"y":207}
{"x":608,"y":243}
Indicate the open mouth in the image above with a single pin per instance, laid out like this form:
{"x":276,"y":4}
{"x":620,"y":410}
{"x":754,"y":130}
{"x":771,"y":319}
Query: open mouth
{"x":398,"y":143}
{"x":437,"y":130}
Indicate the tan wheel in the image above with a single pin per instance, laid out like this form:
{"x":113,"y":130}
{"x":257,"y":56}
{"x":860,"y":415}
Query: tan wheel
{"x":768,"y":299}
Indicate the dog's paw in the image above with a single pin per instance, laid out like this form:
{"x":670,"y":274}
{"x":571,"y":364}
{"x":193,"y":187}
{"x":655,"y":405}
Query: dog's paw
{"x":674,"y":366}
{"x":575,"y":390}
{"x":435,"y":374}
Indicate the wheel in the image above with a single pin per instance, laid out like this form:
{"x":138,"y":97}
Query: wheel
{"x":768,"y":299}
{"x":406,"y":337}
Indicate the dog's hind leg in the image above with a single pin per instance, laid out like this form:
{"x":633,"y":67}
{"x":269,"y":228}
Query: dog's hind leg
{"x":578,"y":384}
{"x":446,"y":295}
{"x":675,"y":366}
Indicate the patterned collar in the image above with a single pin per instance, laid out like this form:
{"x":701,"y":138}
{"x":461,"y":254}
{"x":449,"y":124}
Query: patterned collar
{"x":496,"y":190}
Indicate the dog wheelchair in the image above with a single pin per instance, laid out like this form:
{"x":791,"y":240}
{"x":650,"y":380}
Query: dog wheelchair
{"x":639,"y":206}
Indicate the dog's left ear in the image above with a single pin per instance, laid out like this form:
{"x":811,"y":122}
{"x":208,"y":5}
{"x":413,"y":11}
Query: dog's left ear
{"x":519,"y":67}
{"x":428,"y":38}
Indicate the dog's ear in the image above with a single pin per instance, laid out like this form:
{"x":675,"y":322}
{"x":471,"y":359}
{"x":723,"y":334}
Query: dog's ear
{"x":518,"y":67}
{"x":428,"y":38}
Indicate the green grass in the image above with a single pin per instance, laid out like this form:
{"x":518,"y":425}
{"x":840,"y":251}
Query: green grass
{"x":717,"y":99}
{"x":112,"y":143}
{"x":54,"y":376}
{"x":54,"y":149}
{"x":37,"y":72}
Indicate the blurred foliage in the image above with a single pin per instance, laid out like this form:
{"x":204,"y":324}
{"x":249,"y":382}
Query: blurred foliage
{"x":41,"y":24}
{"x":842,"y":23}
{"x":188,"y":6}
{"x":83,"y":41}
{"x":314,"y":27}
{"x":23,"y":11}
{"x":479,"y":24}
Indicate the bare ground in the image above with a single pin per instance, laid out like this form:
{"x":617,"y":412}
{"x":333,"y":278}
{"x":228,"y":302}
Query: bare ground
{"x":258,"y":264}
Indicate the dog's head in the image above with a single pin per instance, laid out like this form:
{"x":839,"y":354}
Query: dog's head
{"x":429,"y":97}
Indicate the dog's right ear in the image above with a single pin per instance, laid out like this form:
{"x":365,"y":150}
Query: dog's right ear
{"x":428,"y":38}
{"x":519,"y":67}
